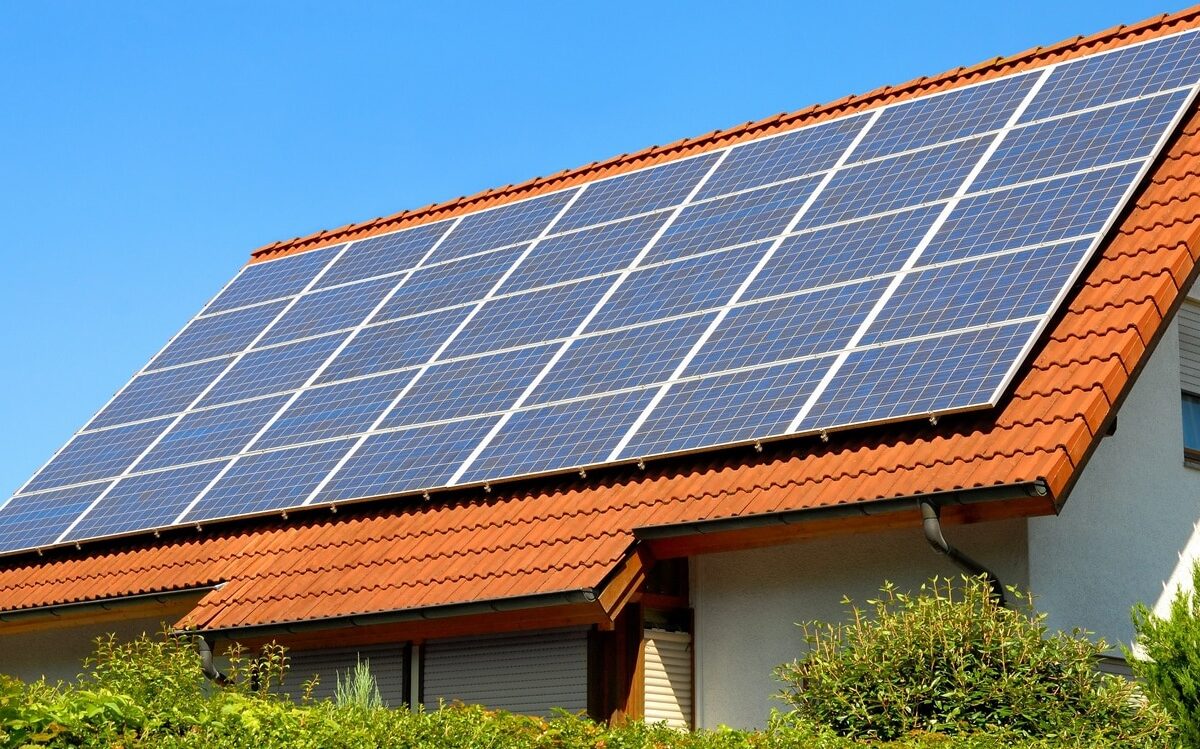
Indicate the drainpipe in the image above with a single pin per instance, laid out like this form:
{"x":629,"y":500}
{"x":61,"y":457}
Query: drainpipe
{"x":932,"y":524}
{"x":206,"y":661}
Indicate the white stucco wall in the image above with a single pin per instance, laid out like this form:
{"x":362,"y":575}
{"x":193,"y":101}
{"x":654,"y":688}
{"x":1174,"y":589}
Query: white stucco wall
{"x":58,"y":653}
{"x":1128,"y":531}
{"x":747,"y":602}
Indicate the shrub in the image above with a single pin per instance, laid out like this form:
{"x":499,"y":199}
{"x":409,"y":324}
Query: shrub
{"x":358,"y":688}
{"x":1168,"y":658}
{"x":952,"y":660}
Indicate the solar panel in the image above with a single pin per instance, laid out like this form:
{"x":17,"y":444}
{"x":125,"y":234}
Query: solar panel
{"x":887,"y":264}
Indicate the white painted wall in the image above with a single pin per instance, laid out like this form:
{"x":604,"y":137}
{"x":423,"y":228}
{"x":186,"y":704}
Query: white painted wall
{"x":747,"y":602}
{"x":1129,"y":530}
{"x":58,"y":653}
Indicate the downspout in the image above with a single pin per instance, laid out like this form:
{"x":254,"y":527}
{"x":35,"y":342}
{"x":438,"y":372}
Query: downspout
{"x":206,"y":661}
{"x":932,"y":524}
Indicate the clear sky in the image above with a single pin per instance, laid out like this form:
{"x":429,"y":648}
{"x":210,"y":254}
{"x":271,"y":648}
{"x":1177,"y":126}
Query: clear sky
{"x":146,"y":148}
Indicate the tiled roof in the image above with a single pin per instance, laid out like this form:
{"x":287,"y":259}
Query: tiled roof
{"x":538,"y":538}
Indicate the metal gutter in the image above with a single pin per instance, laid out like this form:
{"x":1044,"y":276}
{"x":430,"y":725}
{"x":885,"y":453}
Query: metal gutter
{"x":931,"y":523}
{"x":55,"y":611}
{"x":499,"y":605}
{"x":1021,"y":490}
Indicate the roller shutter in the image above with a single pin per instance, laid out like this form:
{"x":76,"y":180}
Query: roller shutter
{"x":529,"y":673}
{"x":668,"y":685}
{"x":1189,"y":346}
{"x":387,"y":663}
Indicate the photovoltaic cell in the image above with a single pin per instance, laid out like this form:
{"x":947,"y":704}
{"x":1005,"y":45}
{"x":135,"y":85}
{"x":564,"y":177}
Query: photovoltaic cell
{"x":150,"y":500}
{"x":97,"y":455}
{"x":927,"y":376}
{"x":469,"y":387}
{"x":727,"y":408}
{"x":407,"y":460}
{"x":949,"y":116}
{"x":394,"y":345}
{"x":787,"y":328}
{"x":677,"y":288}
{"x":216,"y":433}
{"x":1030,"y":214}
{"x":30,"y":521}
{"x":388,"y":253}
{"x":269,"y":481}
{"x":335,"y":410}
{"x":1125,"y":73}
{"x":457,"y":282}
{"x":844,"y":252}
{"x":513,"y":223}
{"x":159,"y":393}
{"x":209,"y":337}
{"x":625,"y":359}
{"x":587,"y":252}
{"x":897,"y":182}
{"x":795,"y":154}
{"x":738,"y":219}
{"x":532,"y":317}
{"x":978,"y":292}
{"x":327,"y":311}
{"x":273,"y":370}
{"x":637,"y":192}
{"x":284,"y":277}
{"x":1084,"y":141}
{"x":563,"y":435}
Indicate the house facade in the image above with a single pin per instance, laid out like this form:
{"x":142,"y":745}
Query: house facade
{"x":670,"y":589}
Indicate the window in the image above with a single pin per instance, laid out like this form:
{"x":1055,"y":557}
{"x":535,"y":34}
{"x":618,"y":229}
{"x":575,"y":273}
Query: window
{"x":1189,"y":377}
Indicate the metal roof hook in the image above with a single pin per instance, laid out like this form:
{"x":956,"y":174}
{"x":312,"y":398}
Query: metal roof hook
{"x":824,"y":435}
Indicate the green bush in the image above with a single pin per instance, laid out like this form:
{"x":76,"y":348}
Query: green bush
{"x":950,"y":659}
{"x":1168,"y":658}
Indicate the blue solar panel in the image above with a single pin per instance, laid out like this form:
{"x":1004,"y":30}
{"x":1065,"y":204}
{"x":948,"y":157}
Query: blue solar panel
{"x":738,"y":219}
{"x":216,"y":433}
{"x":97,"y":455}
{"x":844,"y":252}
{"x":677,"y":288}
{"x":794,"y":154}
{"x":456,"y":282}
{"x":803,"y":325}
{"x":587,"y":252}
{"x":949,"y":116}
{"x":469,"y":387}
{"x":1084,"y":141}
{"x":382,"y":255}
{"x":159,"y":393}
{"x":625,"y":359}
{"x":920,"y":377}
{"x":463,"y":377}
{"x":897,"y":182}
{"x":531,"y":317}
{"x":148,"y":500}
{"x":977,"y":292}
{"x":269,"y":481}
{"x":30,"y":521}
{"x":209,"y":337}
{"x":512,"y":223}
{"x":560,"y":436}
{"x":1030,"y":214}
{"x":335,"y":410}
{"x":637,"y":192}
{"x":273,"y":370}
{"x":1125,"y":73}
{"x":408,"y":460}
{"x":726,"y":408}
{"x":284,"y":277}
{"x":394,"y":345}
{"x":327,"y":311}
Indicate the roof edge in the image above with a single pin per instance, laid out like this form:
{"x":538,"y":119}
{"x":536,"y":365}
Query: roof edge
{"x":1155,"y":26}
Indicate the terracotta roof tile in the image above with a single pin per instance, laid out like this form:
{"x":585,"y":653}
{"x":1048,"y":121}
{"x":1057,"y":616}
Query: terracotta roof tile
{"x":566,"y":536}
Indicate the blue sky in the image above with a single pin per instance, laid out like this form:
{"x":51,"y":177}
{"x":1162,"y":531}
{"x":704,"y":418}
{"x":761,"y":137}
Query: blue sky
{"x":148,"y":147}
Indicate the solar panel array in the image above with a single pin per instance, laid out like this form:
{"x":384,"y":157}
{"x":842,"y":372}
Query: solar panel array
{"x":888,"y":264}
